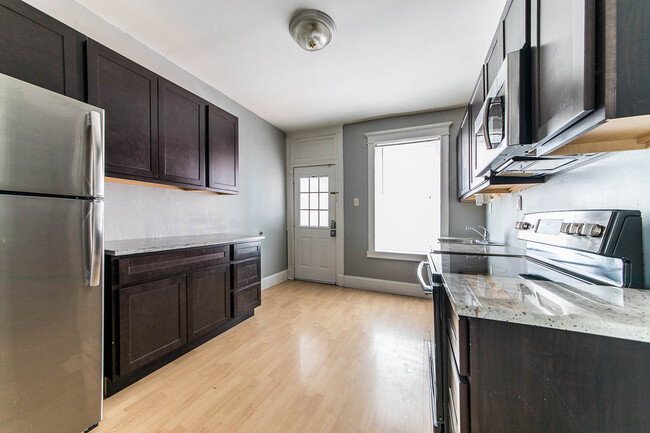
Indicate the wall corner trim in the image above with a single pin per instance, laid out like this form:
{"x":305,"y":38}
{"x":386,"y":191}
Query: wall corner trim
{"x":385,"y":286}
{"x":274,"y":279}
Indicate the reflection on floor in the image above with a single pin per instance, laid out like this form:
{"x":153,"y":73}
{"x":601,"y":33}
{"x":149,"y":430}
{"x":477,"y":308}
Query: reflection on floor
{"x":314,"y":358}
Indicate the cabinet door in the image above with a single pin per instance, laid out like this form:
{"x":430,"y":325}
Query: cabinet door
{"x":128,"y":93}
{"x":223,"y":151}
{"x":563,"y":64}
{"x":475,"y":104}
{"x":38,"y":49}
{"x":494,"y":58}
{"x":208,"y":300}
{"x":153,"y":321}
{"x":181,"y":123}
{"x":516,"y":25}
{"x":463,"y":155}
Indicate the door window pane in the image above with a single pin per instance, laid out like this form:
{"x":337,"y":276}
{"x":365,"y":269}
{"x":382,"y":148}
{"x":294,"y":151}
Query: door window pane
{"x":323,"y":218}
{"x":304,"y":184}
{"x":323,"y":202}
{"x":314,"y":201}
{"x":324,"y":184}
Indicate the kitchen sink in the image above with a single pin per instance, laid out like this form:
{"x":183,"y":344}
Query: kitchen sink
{"x":468,"y":241}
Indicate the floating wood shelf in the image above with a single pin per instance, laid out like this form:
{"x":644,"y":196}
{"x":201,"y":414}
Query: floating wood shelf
{"x":497,"y":186}
{"x":155,"y":185}
{"x":615,"y":135}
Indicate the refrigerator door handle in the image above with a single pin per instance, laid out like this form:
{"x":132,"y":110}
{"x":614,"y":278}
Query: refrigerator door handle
{"x":96,"y":154}
{"x":94,"y":242}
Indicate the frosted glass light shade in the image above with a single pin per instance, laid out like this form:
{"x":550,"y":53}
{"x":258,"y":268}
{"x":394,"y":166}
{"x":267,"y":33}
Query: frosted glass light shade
{"x":312,"y":29}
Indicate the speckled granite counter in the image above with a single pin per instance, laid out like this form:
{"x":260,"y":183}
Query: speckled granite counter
{"x":516,"y":296}
{"x":150,"y":245}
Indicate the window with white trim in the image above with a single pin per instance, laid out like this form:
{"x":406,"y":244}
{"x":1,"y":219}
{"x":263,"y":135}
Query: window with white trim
{"x":407,"y":190}
{"x":407,"y":196}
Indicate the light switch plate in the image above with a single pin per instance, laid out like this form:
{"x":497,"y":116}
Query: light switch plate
{"x":356,"y":201}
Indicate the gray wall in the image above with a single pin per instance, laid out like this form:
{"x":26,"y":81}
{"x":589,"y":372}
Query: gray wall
{"x":618,"y":181}
{"x":355,"y":165}
{"x":141,"y":211}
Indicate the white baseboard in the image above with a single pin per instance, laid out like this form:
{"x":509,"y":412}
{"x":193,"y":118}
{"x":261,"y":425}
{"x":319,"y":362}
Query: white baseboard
{"x":274,"y":279}
{"x":386,"y":286}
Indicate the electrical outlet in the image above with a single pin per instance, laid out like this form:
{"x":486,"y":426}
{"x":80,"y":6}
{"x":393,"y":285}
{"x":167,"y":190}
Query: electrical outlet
{"x":490,"y":208}
{"x":356,"y":201}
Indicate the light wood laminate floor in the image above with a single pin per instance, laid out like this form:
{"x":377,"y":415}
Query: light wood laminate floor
{"x":314,"y":358}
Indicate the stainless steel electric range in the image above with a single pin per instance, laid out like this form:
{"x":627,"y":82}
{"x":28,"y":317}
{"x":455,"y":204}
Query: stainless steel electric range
{"x":571,"y":276}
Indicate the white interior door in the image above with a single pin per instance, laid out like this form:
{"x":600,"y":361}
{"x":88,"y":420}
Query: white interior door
{"x":314,"y":224}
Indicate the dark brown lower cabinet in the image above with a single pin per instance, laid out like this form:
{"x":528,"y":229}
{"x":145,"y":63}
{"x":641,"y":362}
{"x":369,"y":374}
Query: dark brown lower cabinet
{"x":208,"y":303}
{"x":246,"y":299}
{"x":524,"y":378}
{"x":153,"y":320}
{"x":161,"y":305}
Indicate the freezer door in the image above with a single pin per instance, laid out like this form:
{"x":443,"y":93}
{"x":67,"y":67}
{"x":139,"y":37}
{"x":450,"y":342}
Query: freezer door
{"x":50,"y":318}
{"x":49,"y":143}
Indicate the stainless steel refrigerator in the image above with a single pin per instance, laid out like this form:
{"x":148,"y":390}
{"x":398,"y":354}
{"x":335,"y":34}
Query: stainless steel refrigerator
{"x":51,"y":249}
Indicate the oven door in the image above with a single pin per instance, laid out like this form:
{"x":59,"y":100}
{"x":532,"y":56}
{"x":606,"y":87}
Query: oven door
{"x":434,"y":345}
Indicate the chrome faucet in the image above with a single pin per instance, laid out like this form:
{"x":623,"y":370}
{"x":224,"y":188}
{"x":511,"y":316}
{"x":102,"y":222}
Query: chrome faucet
{"x":485,"y":235}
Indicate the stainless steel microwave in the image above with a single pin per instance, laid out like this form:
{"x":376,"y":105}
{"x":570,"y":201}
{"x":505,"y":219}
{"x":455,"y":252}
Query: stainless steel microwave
{"x":503,"y":127}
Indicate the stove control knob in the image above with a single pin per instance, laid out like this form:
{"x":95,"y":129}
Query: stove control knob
{"x":575,"y":228}
{"x":592,"y":230}
{"x":564,"y":228}
{"x":518,"y":225}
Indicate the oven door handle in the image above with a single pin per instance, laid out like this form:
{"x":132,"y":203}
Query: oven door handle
{"x":428,"y":289}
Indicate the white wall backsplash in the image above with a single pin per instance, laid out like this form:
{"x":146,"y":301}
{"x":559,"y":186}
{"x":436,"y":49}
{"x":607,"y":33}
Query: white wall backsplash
{"x":619,"y":180}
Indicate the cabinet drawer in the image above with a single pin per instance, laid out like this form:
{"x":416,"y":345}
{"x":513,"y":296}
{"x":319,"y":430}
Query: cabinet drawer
{"x":246,"y":299}
{"x":153,"y":320}
{"x":152,"y":266}
{"x":458,"y":400}
{"x":246,"y":250}
{"x":457,"y":329}
{"x":246,"y":273}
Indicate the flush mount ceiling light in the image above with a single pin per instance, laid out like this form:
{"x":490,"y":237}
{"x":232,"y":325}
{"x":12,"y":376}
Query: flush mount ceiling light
{"x":312,"y":29}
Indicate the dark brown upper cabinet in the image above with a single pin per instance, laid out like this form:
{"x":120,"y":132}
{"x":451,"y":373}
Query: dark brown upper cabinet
{"x":38,"y":49}
{"x":463,"y":146}
{"x":475,"y":104}
{"x":516,"y":25}
{"x":223,"y":151}
{"x":181,"y":135}
{"x":129,"y":94}
{"x":494,"y":58}
{"x":563,"y":60}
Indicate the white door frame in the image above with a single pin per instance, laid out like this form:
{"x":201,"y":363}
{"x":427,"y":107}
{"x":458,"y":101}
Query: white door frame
{"x":312,"y":148}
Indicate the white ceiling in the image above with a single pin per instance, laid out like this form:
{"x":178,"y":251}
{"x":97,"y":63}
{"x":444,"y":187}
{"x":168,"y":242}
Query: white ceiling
{"x":387,"y":57}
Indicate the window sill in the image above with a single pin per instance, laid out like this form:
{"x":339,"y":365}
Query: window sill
{"x":406,"y":257}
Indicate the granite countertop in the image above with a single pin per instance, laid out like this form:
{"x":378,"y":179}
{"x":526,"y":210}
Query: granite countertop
{"x":487,"y":250}
{"x":580,"y":307}
{"x":150,"y":245}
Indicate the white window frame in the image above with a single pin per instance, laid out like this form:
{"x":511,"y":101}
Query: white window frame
{"x":437,"y":131}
